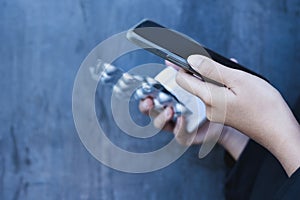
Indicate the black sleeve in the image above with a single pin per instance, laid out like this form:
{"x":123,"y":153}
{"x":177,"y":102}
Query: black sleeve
{"x":242,"y":175}
{"x":291,"y":188}
{"x":256,"y":175}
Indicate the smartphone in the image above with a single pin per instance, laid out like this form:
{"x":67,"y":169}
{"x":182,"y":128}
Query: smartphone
{"x":174,"y":46}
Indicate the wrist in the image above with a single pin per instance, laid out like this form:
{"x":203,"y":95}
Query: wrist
{"x":287,"y":149}
{"x":282,"y":138}
{"x":233,"y":141}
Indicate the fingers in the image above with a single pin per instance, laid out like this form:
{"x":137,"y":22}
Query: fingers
{"x":234,"y":60}
{"x":163,"y":121}
{"x":181,"y":135}
{"x":211,"y":69}
{"x":146,"y":105}
{"x":162,"y":118}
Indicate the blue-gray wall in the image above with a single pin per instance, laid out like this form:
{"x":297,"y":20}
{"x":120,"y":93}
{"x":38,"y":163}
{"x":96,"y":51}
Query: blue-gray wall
{"x":42,"y":44}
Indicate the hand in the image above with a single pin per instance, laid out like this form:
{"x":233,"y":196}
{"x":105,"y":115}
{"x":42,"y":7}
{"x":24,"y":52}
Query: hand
{"x":232,"y":140}
{"x":253,"y":107}
{"x":163,"y":120}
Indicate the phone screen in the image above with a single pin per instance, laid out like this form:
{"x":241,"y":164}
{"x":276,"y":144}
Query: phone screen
{"x":169,"y":40}
{"x":179,"y":45}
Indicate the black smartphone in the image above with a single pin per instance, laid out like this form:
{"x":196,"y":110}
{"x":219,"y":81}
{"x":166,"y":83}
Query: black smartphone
{"x":174,"y":46}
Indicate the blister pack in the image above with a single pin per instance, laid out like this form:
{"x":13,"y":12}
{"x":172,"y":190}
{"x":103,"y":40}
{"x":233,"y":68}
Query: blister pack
{"x":163,"y":89}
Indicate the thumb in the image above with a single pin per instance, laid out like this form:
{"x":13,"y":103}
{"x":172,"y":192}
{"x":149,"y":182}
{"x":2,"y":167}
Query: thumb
{"x":211,"y":69}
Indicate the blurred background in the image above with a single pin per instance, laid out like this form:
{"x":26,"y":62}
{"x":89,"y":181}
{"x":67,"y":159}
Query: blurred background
{"x":42,"y":44}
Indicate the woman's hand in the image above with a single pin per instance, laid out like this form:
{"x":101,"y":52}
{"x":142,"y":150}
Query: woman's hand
{"x":253,"y":107}
{"x":232,"y":140}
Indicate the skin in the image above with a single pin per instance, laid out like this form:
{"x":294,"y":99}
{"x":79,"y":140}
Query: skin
{"x":231,"y":139}
{"x":252,"y":107}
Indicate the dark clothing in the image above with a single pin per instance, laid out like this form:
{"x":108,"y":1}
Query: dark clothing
{"x":258,"y":175}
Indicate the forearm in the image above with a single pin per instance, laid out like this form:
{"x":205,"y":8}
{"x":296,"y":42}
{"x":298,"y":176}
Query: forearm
{"x":279,"y":132}
{"x":286,"y":146}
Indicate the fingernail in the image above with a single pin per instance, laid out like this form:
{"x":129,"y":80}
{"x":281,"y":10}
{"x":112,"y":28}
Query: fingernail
{"x":195,"y":60}
{"x":234,"y":60}
{"x":168,"y":112}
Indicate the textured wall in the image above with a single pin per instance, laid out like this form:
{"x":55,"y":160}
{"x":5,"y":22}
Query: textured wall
{"x":42,"y":44}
